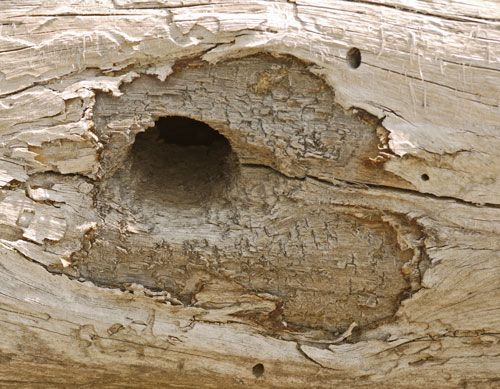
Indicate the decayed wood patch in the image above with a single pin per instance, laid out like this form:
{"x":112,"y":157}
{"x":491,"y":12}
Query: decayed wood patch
{"x":183,"y":218}
{"x":333,"y":237}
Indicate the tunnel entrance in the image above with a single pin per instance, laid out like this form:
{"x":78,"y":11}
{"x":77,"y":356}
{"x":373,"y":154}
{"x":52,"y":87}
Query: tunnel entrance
{"x":181,"y":162}
{"x":180,"y":167}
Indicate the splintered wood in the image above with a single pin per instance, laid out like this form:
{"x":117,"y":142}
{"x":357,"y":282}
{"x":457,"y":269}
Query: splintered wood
{"x":332,"y":221}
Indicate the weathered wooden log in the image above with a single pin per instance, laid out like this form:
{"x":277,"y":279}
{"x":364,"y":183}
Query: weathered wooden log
{"x":249,"y":194}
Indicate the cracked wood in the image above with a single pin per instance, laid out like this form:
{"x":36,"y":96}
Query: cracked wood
{"x":390,"y":167}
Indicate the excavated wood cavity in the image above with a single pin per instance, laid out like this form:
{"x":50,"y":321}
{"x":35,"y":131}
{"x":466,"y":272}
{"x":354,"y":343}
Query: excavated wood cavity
{"x":180,"y":165}
{"x":236,"y":209}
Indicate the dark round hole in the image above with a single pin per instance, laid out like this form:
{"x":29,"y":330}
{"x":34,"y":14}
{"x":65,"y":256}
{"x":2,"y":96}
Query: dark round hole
{"x":258,"y":370}
{"x":425,"y":177}
{"x":354,"y":57}
{"x":180,"y":163}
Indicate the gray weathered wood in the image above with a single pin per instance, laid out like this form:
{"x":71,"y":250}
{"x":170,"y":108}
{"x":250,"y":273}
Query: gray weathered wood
{"x":346,"y":236}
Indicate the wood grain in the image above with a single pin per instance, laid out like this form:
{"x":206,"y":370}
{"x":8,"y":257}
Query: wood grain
{"x":347,"y":235}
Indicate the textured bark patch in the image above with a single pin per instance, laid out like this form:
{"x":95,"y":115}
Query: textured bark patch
{"x":239,"y":209}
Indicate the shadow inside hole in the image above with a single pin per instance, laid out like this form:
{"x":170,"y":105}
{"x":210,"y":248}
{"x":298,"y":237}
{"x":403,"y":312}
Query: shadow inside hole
{"x":182,"y":162}
{"x":185,"y":131}
{"x":424,"y":177}
{"x":258,"y":370}
{"x":354,"y":57}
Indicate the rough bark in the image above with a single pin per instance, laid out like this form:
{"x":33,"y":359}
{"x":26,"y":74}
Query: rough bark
{"x":341,"y":231}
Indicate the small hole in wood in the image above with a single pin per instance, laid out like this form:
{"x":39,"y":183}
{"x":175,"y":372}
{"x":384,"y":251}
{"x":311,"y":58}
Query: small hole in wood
{"x":425,"y":177}
{"x":258,"y":370}
{"x":354,"y":57}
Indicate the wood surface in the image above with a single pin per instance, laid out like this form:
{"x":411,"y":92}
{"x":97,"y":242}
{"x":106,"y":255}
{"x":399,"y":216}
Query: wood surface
{"x":342,"y":230}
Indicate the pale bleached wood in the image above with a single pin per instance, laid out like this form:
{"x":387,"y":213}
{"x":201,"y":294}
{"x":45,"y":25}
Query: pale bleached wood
{"x":79,"y":80}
